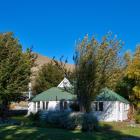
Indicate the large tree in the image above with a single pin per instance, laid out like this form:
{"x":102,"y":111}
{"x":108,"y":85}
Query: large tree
{"x":48,"y":76}
{"x":129,"y":85}
{"x":97,"y":65}
{"x":133,"y":78}
{"x":15,"y":68}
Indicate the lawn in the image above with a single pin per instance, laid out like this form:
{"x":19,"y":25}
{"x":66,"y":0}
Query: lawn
{"x":108,"y":131}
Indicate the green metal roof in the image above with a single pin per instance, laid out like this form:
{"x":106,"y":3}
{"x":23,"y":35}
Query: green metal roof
{"x":54,"y":94}
{"x":58,"y":94}
{"x":109,"y":95}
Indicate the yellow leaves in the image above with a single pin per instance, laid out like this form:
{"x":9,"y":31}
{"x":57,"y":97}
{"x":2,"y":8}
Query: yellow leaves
{"x":138,"y":105}
{"x":133,"y":69}
{"x":136,"y":90}
{"x":133,"y":75}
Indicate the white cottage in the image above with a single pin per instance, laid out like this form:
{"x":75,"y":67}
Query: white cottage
{"x":109,"y":106}
{"x":53,"y":99}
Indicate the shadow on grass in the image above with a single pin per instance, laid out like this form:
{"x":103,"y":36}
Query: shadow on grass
{"x":108,"y":131}
{"x":35,"y":133}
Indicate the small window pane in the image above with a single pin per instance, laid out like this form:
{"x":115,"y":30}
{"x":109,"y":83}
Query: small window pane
{"x":47,"y":105}
{"x":61,"y":105}
{"x":38,"y":105}
{"x":43,"y":105}
{"x":96,"y":106}
{"x":65,"y":105}
{"x":100,"y":106}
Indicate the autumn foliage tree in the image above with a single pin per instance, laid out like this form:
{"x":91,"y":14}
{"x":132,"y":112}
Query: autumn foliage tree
{"x":97,"y":65}
{"x":133,"y":73}
{"x":129,"y":85}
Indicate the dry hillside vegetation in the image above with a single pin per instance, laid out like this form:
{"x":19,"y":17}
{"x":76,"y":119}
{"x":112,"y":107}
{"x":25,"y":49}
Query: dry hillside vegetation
{"x":41,"y":60}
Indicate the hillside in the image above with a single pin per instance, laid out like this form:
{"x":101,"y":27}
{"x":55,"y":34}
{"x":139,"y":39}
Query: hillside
{"x":41,"y":60}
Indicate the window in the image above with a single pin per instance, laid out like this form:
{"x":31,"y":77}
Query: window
{"x":125,"y":107}
{"x":61,"y":105}
{"x":38,"y":105}
{"x":65,"y":105}
{"x":43,"y":105}
{"x":98,"y":106}
{"x":47,"y":105}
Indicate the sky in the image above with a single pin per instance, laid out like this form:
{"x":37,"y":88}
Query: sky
{"x":53,"y":26}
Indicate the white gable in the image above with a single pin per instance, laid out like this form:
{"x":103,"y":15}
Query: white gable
{"x":64,"y":83}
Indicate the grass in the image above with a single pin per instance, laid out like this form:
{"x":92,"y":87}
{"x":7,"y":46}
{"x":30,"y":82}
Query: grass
{"x":108,"y":131}
{"x":123,"y":127}
{"x":21,"y":118}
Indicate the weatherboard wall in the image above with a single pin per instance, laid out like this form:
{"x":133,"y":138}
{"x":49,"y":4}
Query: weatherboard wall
{"x":52,"y":106}
{"x":112,"y":111}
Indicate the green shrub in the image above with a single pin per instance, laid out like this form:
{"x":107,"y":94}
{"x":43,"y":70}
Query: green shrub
{"x":56,"y":118}
{"x":34,"y":117}
{"x":52,"y":117}
{"x":64,"y":119}
{"x":71,"y":120}
{"x":90,"y":122}
{"x":137,"y":116}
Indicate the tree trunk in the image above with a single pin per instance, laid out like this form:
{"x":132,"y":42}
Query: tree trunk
{"x":131,"y":112}
{"x":85,"y":105}
{"x":82,"y":108}
{"x":5,"y":108}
